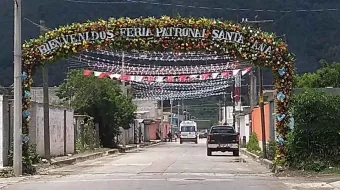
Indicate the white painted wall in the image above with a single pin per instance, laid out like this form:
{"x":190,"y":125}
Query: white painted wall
{"x":229,"y":117}
{"x":4,"y":131}
{"x":56,"y":129}
{"x":244,"y":127}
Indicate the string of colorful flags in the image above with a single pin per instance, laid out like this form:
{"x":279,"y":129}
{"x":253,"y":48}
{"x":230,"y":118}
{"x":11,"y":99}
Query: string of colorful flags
{"x":169,"y":79}
{"x":165,"y":82}
{"x":180,"y":86}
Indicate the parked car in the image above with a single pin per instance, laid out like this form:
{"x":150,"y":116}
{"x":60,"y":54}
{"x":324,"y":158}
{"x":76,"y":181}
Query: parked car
{"x":224,"y":139}
{"x":203,"y":134}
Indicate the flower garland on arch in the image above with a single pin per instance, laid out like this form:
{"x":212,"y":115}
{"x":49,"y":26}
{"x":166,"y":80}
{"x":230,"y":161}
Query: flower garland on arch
{"x":262,"y":48}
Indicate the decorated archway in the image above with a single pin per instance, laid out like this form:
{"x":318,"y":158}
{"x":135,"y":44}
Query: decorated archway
{"x":167,"y":35}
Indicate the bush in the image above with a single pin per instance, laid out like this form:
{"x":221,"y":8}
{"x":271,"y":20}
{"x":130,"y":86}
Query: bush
{"x":314,"y":143}
{"x":253,"y":144}
{"x":28,"y":161}
{"x":271,"y":149}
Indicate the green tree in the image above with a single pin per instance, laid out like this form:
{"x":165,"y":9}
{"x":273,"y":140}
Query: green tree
{"x":101,"y":99}
{"x":327,"y":76}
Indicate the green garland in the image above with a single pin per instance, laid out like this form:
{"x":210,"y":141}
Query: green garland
{"x":279,"y":59}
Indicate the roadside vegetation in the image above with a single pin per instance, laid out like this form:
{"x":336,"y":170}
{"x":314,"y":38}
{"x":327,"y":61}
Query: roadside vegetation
{"x":314,"y":143}
{"x":101,"y":99}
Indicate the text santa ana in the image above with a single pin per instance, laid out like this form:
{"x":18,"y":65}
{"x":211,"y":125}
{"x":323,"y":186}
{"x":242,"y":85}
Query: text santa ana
{"x":140,"y":32}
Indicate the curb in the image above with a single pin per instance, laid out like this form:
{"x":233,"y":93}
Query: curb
{"x":127,"y":148}
{"x":268,"y":163}
{"x":92,"y":156}
{"x":150,"y":144}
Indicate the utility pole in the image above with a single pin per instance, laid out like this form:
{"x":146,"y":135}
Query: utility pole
{"x":261,"y":104}
{"x":252,"y":95}
{"x":234,"y":104}
{"x":261,"y":101}
{"x":123,"y":73}
{"x":219,"y":111}
{"x":46,"y":103}
{"x":183,"y":109}
{"x":17,"y":154}
{"x":225,"y":108}
{"x":162,"y":115}
{"x":171,"y":116}
{"x":186,"y":113}
{"x":178,"y":114}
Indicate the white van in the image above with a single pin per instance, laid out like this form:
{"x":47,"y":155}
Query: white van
{"x":188,"y":132}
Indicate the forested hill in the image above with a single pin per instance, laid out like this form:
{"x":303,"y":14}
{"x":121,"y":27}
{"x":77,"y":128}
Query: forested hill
{"x":311,"y":35}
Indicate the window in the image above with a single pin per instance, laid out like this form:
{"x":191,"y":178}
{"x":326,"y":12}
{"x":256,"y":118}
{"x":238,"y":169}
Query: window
{"x":188,"y":129}
{"x":222,"y":129}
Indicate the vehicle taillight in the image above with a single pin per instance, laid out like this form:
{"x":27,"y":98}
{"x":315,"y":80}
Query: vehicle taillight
{"x":237,"y":138}
{"x":208,"y":138}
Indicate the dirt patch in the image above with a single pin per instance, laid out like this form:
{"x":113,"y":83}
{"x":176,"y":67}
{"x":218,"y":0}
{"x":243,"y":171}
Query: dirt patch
{"x":327,"y":176}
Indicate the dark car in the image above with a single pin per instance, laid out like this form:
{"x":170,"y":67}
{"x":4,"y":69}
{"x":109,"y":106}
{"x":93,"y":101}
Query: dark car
{"x":203,"y":134}
{"x":223,"y":139}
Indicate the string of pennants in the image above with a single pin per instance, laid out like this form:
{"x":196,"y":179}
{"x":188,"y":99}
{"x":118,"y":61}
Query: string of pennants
{"x":169,"y":79}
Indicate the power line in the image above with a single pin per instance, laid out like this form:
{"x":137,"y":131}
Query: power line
{"x":37,"y":25}
{"x":204,"y":7}
{"x":100,"y":2}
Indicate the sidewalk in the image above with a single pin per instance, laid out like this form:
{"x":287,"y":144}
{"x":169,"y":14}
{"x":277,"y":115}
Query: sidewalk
{"x":66,"y":160}
{"x":90,"y":155}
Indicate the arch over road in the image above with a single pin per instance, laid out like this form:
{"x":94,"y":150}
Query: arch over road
{"x":167,"y":34}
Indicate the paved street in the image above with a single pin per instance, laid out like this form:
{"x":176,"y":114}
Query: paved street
{"x":168,"y":166}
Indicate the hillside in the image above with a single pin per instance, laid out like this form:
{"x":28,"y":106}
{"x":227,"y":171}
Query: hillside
{"x":311,"y":35}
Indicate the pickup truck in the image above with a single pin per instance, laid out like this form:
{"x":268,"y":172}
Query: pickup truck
{"x":224,"y":139}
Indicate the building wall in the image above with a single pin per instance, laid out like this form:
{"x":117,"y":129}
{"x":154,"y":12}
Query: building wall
{"x":127,"y":135}
{"x":230,"y":120}
{"x":60,"y":119}
{"x":37,"y":95}
{"x":149,"y":106}
{"x":4,"y":131}
{"x":229,"y":117}
{"x":153,"y":129}
{"x":166,"y":129}
{"x":256,"y":122}
{"x":244,"y":127}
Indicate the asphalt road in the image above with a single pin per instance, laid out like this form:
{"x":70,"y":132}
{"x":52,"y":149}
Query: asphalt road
{"x":169,"y":166}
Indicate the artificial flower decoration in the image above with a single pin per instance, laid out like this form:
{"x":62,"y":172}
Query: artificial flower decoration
{"x":280,"y":96}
